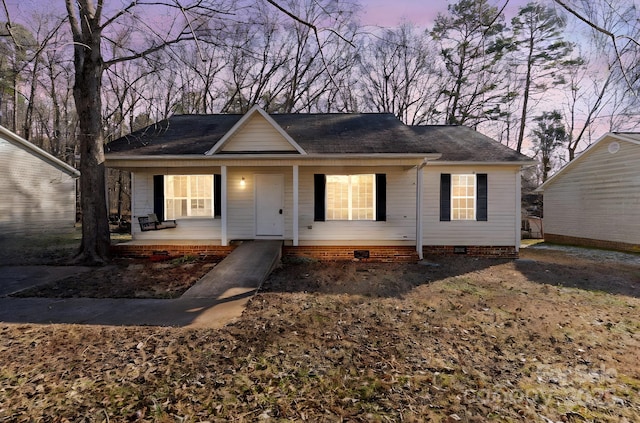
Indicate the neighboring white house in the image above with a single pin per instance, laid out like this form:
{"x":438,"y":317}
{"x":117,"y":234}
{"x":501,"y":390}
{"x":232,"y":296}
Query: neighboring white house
{"x":595,"y":199}
{"x":328,"y":185}
{"x":37,"y":190}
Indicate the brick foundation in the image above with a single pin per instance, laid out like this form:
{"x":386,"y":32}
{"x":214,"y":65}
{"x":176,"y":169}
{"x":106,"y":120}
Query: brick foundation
{"x":405,"y":254}
{"x":472,"y":251}
{"x":596,"y":243}
{"x":144,"y":251}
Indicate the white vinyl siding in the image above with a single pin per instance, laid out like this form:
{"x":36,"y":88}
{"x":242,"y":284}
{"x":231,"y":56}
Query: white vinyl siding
{"x":36,"y":197}
{"x":500,"y":227}
{"x":398,"y":229}
{"x":200,"y":228}
{"x":598,"y":197}
{"x":257,"y":135}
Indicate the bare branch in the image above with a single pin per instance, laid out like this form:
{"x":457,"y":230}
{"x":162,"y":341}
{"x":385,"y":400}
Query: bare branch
{"x":146,"y":52}
{"x":195,"y":38}
{"x":306,"y":23}
{"x":608,"y":34}
{"x":314,"y":28}
{"x":121,"y":12}
{"x":73,"y":20}
{"x":8,"y":24}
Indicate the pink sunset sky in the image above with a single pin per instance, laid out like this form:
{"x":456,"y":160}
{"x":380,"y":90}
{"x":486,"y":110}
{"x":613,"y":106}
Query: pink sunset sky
{"x":389,"y":13}
{"x":385,"y":13}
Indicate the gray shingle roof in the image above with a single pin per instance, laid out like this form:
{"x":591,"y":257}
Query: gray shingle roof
{"x":357,"y":133}
{"x":180,"y":134}
{"x":461,"y":143}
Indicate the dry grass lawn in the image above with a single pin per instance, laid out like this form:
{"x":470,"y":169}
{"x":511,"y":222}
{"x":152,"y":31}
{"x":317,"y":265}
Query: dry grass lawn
{"x":552,"y":337}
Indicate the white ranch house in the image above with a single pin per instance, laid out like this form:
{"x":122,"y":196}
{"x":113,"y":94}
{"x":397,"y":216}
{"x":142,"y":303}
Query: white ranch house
{"x":38,"y":191}
{"x":328,"y":185}
{"x":595,"y":199}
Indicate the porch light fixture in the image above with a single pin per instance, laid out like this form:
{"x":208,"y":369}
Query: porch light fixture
{"x":242,"y":182}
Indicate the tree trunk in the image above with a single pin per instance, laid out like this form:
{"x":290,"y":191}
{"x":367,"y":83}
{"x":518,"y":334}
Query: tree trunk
{"x":525,"y":97}
{"x":545,"y":168}
{"x":28,"y":115}
{"x":94,"y":249}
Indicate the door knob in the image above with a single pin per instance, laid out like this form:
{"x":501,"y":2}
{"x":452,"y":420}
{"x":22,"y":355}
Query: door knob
{"x":280,"y":211}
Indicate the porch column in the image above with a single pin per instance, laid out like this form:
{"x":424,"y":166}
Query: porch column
{"x":295,"y":204}
{"x":223,"y":212}
{"x":419,"y":201}
{"x":131,"y":200}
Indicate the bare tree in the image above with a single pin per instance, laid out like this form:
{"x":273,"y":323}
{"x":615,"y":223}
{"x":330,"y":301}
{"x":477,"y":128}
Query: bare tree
{"x":89,"y":29}
{"x":318,"y":60}
{"x":623,"y":36}
{"x":18,"y":48}
{"x":400,"y":75}
{"x":286,"y":64}
{"x":599,"y":96}
{"x":201,"y":66}
{"x":256,"y":58}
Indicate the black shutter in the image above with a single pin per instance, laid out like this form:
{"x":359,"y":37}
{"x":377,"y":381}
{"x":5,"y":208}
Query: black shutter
{"x":217,"y":195}
{"x":481,"y":195}
{"x":319,"y":188}
{"x":158,"y":196}
{"x":381,"y":197}
{"x":445,"y":197}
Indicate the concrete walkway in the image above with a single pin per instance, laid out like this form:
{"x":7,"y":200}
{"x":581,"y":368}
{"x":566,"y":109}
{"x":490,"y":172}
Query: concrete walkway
{"x":240,"y":272}
{"x":214,"y":301}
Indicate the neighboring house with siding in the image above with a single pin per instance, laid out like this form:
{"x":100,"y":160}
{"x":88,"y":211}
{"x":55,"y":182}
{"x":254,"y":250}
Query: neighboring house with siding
{"x":38,"y":191}
{"x":595,"y":199}
{"x":328,"y":185}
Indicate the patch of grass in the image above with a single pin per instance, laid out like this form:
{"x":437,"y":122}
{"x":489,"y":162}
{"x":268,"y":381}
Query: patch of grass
{"x":183,"y":260}
{"x":117,"y":238}
{"x":526,"y":242}
{"x":298,"y":260}
{"x":463,"y":285}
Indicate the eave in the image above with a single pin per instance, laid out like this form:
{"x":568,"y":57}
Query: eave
{"x":581,"y":156}
{"x":42,"y":154}
{"x":524,"y":163}
{"x":182,"y":161}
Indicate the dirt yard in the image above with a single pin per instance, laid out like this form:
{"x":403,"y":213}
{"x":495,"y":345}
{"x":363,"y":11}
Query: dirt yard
{"x":551,"y":337}
{"x":130,"y":278}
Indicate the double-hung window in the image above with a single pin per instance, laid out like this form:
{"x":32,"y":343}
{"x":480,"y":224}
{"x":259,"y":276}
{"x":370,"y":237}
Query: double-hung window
{"x":463,"y":197}
{"x":188,"y":196}
{"x":351,"y":197}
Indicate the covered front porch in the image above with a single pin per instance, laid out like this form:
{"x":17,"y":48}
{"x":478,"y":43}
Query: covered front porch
{"x":291,"y":202}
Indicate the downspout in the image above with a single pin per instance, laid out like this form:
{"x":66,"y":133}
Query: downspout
{"x":419,"y":203}
{"x":132,"y":205}
{"x":296,"y":188}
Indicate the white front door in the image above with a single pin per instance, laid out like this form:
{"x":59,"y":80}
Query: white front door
{"x":269,"y":205}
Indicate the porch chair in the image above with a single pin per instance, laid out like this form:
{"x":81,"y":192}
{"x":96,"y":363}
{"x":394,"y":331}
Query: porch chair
{"x":151,"y":223}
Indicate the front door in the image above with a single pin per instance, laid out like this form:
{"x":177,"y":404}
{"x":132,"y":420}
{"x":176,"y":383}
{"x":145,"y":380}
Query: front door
{"x":269,"y":205}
